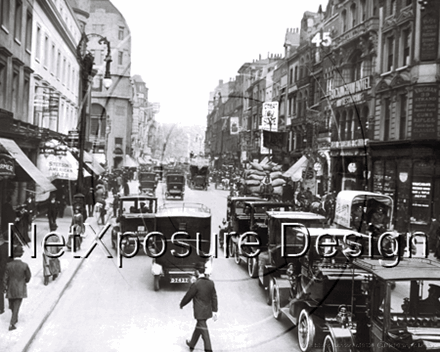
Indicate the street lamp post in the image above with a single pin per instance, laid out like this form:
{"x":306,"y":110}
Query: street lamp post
{"x":86,"y":61}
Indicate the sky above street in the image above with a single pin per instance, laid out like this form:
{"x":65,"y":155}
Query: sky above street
{"x":183,"y":48}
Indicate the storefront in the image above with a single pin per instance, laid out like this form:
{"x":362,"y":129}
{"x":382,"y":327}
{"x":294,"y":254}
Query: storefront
{"x":410,"y":174}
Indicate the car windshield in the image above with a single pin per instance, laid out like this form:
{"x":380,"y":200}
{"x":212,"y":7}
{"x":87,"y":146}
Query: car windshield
{"x":137,"y":206}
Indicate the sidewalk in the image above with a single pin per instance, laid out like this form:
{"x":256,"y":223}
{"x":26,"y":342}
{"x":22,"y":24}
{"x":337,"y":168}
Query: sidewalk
{"x":42,"y":299}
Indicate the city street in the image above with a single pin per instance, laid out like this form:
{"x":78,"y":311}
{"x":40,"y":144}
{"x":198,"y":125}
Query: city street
{"x":107,"y":308}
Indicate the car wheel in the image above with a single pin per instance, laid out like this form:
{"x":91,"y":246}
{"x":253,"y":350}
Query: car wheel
{"x":276,"y":304}
{"x":269,"y":290}
{"x":156,"y":282}
{"x":329,"y":344}
{"x":306,"y":331}
{"x":236,"y":255}
{"x":252,"y":264}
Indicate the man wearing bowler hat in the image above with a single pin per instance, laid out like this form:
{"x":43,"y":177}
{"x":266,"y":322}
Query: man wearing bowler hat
{"x":16,"y":277}
{"x":204,"y":297}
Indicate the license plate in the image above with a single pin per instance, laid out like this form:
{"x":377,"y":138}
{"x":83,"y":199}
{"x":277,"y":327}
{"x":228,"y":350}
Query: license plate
{"x":141,"y":228}
{"x":179,"y":280}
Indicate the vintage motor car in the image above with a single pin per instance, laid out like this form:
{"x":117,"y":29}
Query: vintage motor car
{"x":315,"y":289}
{"x":135,"y":214}
{"x":199,"y":176}
{"x":272,"y":266}
{"x":147,"y":183}
{"x":185,"y":241}
{"x":254,"y":221}
{"x":364,"y":211}
{"x":401,"y":310}
{"x":175,"y":186}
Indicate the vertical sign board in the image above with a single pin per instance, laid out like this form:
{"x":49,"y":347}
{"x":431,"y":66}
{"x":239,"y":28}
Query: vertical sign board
{"x":425,"y":110}
{"x":429,"y":37}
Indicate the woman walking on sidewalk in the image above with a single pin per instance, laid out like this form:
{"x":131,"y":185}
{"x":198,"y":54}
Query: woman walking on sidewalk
{"x":51,"y":266}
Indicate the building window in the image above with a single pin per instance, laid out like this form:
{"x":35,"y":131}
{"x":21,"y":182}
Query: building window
{"x":121,"y":33}
{"x":120,"y":58}
{"x":363,"y":10}
{"x":53,"y":59}
{"x":46,"y":52}
{"x":26,"y":87}
{"x":296,"y":73}
{"x":356,"y":67}
{"x":406,"y":45}
{"x":63,"y":74}
{"x":5,"y":13}
{"x":349,"y":124}
{"x":392,"y":10}
{"x":291,"y":76}
{"x":58,"y":64}
{"x":403,"y":115}
{"x":28,"y":41}
{"x":38,"y":48}
{"x":18,"y":19}
{"x":353,"y":13}
{"x":317,"y":90}
{"x":344,"y":20}
{"x":387,"y":119}
{"x":2,"y":83}
{"x":68,"y":77}
{"x":15,"y":98}
{"x":343,"y":126}
{"x":294,"y":105}
{"x":389,"y":54}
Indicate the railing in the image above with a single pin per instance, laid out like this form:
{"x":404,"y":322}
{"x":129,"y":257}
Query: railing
{"x":197,"y":207}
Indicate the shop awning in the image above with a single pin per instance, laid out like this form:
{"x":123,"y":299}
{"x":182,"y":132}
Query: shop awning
{"x":61,"y":167}
{"x":93,"y":164}
{"x":27,"y":165}
{"x":295,"y":171}
{"x":130,"y":162}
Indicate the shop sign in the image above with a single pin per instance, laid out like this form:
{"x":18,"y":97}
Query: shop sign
{"x":420,"y":194}
{"x":350,"y":100}
{"x":351,"y":88}
{"x":354,"y":143}
{"x":270,"y":116}
{"x":352,"y":167}
{"x":7,"y":168}
{"x":403,"y":177}
{"x":429,"y":37}
{"x":234,"y":127}
{"x":425,"y":106}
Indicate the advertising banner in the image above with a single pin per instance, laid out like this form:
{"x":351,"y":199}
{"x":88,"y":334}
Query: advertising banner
{"x":270,"y":116}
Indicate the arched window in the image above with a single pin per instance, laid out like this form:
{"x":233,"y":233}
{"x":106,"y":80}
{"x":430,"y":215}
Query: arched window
{"x":296,"y":73}
{"x":353,"y":14}
{"x":98,"y":119}
{"x":344,"y":20}
{"x":356,"y":66}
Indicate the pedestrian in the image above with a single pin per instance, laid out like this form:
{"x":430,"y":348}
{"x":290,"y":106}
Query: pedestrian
{"x":4,"y":259}
{"x":9,"y":216}
{"x":100,"y":203}
{"x":77,"y":229}
{"x":52,"y":212}
{"x":51,"y":265}
{"x":30,"y":208}
{"x":17,"y":275}
{"x":202,"y":293}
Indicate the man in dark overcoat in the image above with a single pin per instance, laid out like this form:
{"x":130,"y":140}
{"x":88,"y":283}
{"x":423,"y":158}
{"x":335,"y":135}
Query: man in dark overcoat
{"x":202,"y":293}
{"x":4,"y":259}
{"x":16,"y":277}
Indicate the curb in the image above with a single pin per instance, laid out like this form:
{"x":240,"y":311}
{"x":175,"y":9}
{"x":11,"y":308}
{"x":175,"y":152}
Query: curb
{"x":46,"y":309}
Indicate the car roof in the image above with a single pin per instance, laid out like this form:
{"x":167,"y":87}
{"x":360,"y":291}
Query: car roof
{"x":137,"y":197}
{"x":245,"y":198}
{"x":407,"y":269}
{"x":267,"y":202}
{"x":295,"y":215}
{"x":184,"y":209}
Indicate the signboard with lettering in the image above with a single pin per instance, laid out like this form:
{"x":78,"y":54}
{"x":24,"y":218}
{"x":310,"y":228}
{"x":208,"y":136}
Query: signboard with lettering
{"x":7,"y":167}
{"x":425,"y":108}
{"x":351,"y":88}
{"x":421,"y":194}
{"x":429,"y":37}
{"x":270,"y":116}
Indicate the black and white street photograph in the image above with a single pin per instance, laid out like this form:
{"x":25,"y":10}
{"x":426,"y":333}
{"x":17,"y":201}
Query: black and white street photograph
{"x":219,"y":176}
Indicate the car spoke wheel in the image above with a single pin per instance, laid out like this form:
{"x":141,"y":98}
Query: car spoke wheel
{"x":306,"y":331}
{"x":329,"y":345}
{"x":269,"y":290}
{"x":236,"y":255}
{"x":276,"y":304}
{"x":252,"y":265}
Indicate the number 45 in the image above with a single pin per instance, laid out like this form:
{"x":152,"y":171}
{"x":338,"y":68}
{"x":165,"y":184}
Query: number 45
{"x":325,"y":41}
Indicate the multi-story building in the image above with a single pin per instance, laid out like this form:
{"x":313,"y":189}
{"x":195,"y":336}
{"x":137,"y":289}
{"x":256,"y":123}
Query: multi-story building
{"x":349,"y":75}
{"x":143,"y":121}
{"x":19,"y":139}
{"x":112,"y":108}
{"x":405,"y":140}
{"x":55,"y":81}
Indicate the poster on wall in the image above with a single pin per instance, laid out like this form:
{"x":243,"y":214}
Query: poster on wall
{"x":234,"y":127}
